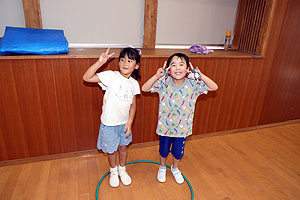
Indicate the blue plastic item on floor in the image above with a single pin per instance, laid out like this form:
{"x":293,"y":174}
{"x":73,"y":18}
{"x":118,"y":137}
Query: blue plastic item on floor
{"x":18,"y":40}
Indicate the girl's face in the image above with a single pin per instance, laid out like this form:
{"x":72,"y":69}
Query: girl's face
{"x":178,"y":68}
{"x":127,"y":66}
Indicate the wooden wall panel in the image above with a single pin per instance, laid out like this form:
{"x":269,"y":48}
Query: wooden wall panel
{"x":46,"y":108}
{"x":150,"y":100}
{"x":203,"y":109}
{"x":241,"y":94}
{"x":138,"y":124}
{"x":283,"y":94}
{"x":252,"y":89}
{"x":28,"y":109}
{"x":79,"y":104}
{"x":229,"y":93}
{"x":251,"y":24}
{"x":66,"y":112}
{"x":13,"y":144}
{"x":219,"y":102}
{"x":40,"y":113}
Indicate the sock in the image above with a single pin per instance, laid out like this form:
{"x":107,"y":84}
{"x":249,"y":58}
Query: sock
{"x":161,"y":167}
{"x":113,"y":169}
{"x":121,"y":167}
{"x":174,"y":169}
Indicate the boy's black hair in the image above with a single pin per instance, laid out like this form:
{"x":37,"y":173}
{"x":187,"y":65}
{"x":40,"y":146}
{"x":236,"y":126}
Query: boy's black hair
{"x":181,"y":56}
{"x":133,"y":54}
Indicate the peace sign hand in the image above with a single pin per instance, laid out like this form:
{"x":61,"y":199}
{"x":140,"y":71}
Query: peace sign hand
{"x":194,"y":74}
{"x":105,"y":56}
{"x":163,"y":71}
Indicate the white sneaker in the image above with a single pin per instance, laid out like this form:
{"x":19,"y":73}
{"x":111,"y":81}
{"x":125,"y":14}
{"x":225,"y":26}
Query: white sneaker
{"x":114,"y":179}
{"x":161,"y":175}
{"x":125,"y":178}
{"x":177,"y":175}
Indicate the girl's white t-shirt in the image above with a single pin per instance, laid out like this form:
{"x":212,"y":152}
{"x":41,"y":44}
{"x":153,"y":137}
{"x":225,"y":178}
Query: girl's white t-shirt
{"x":119,"y":92}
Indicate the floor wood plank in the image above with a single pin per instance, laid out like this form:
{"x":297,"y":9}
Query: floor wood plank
{"x":262,"y":164}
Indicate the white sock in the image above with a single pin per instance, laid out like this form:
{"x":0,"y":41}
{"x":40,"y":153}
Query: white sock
{"x":174,"y":169}
{"x":121,"y":167}
{"x":114,"y":169}
{"x":161,"y":167}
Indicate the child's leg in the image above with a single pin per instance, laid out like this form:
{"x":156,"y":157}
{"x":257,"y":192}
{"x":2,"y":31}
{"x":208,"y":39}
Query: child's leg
{"x":163,"y":161}
{"x":108,"y":142}
{"x":125,"y":178}
{"x":164,"y":150}
{"x":124,"y":141}
{"x":175,"y":162}
{"x":122,"y":155}
{"x":112,"y":159}
{"x":177,"y":151}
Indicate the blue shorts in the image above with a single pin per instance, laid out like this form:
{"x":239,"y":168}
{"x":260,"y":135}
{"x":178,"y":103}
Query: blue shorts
{"x":111,"y":137}
{"x":177,"y":146}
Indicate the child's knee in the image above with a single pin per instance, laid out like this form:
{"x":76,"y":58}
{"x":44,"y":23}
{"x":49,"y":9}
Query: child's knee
{"x":164,"y":152}
{"x":123,"y":148}
{"x":177,"y":154}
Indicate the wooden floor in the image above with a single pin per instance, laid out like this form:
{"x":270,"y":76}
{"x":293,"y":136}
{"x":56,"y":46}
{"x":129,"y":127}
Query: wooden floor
{"x":262,"y":164}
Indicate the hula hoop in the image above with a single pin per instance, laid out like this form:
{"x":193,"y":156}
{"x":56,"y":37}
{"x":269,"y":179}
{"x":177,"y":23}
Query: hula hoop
{"x":143,"y":161}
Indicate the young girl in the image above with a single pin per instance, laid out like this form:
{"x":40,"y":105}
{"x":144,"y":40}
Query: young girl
{"x":118,"y":110}
{"x":177,"y":99}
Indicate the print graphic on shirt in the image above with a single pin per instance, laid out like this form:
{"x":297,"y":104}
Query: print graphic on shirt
{"x":179,"y":98}
{"x":176,"y":107}
{"x":124,"y":93}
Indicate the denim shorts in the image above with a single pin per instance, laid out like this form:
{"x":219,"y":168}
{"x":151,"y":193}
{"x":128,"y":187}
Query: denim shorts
{"x":111,"y":137}
{"x":177,"y":149}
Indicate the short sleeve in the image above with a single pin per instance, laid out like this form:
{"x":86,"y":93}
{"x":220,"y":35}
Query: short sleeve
{"x":202,"y":87}
{"x":105,"y":78}
{"x":157,"y":86}
{"x":136,"y":88}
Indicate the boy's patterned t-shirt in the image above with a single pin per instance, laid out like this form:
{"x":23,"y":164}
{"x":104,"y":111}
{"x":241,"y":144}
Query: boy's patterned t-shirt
{"x":176,"y":106}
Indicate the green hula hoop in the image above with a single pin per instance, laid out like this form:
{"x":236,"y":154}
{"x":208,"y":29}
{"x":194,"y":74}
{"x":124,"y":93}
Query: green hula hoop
{"x":143,"y":161}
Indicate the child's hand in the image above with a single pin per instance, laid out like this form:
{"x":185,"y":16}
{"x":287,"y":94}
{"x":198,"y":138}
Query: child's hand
{"x":161,"y":71}
{"x":194,"y":74}
{"x":127,"y":129}
{"x":105,"y":56}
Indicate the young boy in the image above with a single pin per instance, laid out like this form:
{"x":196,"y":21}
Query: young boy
{"x":177,"y":99}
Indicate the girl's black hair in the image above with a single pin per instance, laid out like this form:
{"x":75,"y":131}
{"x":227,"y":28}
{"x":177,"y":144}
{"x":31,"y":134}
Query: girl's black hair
{"x":133,"y":54}
{"x":181,"y":56}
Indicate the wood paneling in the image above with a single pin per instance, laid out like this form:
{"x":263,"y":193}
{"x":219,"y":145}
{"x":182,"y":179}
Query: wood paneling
{"x":138,"y":124}
{"x":29,"y":123}
{"x":79,"y":103}
{"x":251,"y":25}
{"x":59,"y":113}
{"x":282,"y":95}
{"x":150,"y":101}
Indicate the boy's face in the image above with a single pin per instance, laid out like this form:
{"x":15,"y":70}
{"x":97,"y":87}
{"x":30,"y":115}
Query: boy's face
{"x":127,"y":66}
{"x":178,"y":68}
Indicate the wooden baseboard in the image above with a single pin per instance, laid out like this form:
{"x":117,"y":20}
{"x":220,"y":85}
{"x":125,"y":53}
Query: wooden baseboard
{"x":139,"y":145}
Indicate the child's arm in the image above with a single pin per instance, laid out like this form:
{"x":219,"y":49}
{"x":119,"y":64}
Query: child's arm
{"x":90,"y":74}
{"x":211,"y":85}
{"x":128,"y":125}
{"x":148,"y":84}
